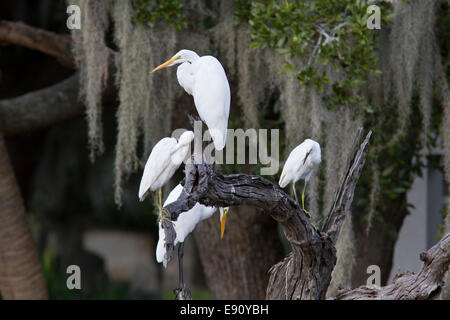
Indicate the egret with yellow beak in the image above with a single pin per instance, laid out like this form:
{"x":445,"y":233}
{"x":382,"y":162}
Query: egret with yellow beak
{"x":204,"y":78}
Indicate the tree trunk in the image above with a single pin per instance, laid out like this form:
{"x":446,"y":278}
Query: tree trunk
{"x":236,"y":266}
{"x":20,"y":270}
{"x":375,"y":248}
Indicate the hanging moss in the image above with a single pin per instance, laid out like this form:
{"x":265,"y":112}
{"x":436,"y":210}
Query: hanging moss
{"x":92,"y":57}
{"x":411,"y":45}
{"x":406,"y":56}
{"x":132,"y":79}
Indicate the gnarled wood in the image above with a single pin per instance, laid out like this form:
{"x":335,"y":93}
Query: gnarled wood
{"x":426,"y":284}
{"x":344,"y":194}
{"x":306,"y":272}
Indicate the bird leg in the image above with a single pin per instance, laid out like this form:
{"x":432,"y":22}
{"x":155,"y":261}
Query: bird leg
{"x":295,"y":192}
{"x":303,"y":205}
{"x":163,"y":213}
{"x":303,"y":201}
{"x":303,"y":198}
{"x":180,"y":269}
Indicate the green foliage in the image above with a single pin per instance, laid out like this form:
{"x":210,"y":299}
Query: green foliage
{"x":326,"y":34}
{"x":147,"y":12}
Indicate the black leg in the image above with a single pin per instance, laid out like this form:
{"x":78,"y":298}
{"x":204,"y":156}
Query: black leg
{"x":180,"y":264}
{"x":182,"y":293}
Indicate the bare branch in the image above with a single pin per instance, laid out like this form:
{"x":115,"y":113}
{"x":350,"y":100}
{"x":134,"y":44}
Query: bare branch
{"x":345,"y":192}
{"x":41,"y":108}
{"x":426,"y":284}
{"x":205,"y":185}
{"x":44,"y":41}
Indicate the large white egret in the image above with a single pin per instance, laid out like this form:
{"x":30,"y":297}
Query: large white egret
{"x":184,"y":225}
{"x":300,"y":165}
{"x":204,"y":78}
{"x":165,"y":158}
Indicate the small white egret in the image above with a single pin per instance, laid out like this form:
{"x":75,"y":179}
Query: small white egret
{"x":183,"y":226}
{"x":204,"y":78}
{"x":299,"y":165}
{"x":165,"y":158}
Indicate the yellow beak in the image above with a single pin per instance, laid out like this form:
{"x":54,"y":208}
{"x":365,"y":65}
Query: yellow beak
{"x":223,"y":222}
{"x":165,"y":64}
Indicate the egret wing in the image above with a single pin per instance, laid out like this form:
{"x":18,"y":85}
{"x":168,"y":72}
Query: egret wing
{"x":156,"y":163}
{"x":292,"y":165}
{"x":212,"y":98}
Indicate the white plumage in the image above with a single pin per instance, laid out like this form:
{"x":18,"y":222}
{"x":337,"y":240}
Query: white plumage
{"x":300,"y":163}
{"x":165,"y":158}
{"x":185,"y":223}
{"x":204,"y":78}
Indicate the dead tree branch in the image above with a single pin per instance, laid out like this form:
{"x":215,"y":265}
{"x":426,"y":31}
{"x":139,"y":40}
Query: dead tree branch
{"x":344,"y":194}
{"x":426,"y":284}
{"x":306,"y":272}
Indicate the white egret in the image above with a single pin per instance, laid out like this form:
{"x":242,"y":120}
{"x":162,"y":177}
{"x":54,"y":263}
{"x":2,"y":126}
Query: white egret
{"x":204,"y":78}
{"x":299,"y":165}
{"x":165,"y":158}
{"x":184,"y":225}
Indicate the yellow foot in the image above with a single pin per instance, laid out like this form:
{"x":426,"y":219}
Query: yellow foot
{"x":164,"y":214}
{"x":310,"y":217}
{"x":307,"y":212}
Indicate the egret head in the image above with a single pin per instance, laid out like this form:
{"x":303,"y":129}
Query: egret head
{"x":186,"y":138}
{"x":223,"y":220}
{"x":181,"y":56}
{"x":313,"y":151}
{"x":180,"y":151}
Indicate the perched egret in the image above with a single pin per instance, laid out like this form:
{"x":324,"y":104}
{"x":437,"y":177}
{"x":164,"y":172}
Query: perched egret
{"x":299,"y":165}
{"x":204,"y":78}
{"x":165,"y":158}
{"x":184,"y":225}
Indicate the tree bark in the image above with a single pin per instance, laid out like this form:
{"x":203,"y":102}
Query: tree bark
{"x":20,"y":270}
{"x":427,"y":284}
{"x":41,"y":108}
